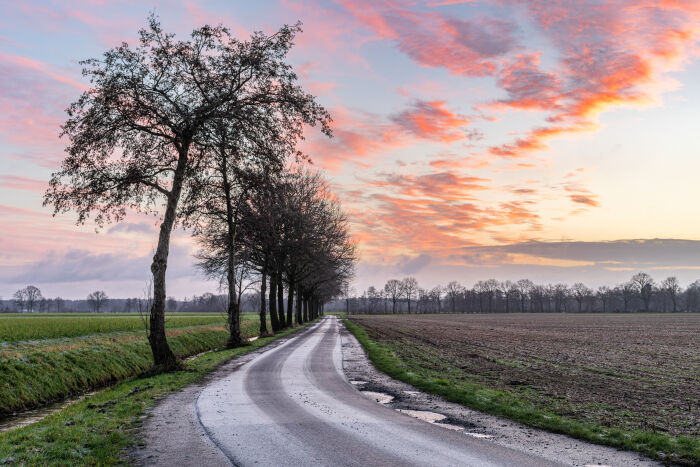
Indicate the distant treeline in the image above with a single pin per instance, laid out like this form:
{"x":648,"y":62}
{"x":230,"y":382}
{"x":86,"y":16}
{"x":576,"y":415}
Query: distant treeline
{"x":31,"y":300}
{"x":640,"y":294}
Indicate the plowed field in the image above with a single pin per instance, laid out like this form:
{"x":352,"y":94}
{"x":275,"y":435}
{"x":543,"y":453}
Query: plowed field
{"x":634,"y":372}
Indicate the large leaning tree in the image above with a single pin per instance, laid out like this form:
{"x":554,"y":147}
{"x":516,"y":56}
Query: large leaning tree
{"x":138,"y":136}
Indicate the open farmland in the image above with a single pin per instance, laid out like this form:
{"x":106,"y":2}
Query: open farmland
{"x":44,"y":358}
{"x":34,"y":326}
{"x":635,"y":373}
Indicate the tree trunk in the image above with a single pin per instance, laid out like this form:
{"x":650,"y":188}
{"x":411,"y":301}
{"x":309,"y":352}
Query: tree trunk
{"x":273,"y":302}
{"x":305,"y":315}
{"x":263,"y":305}
{"x":280,"y":302}
{"x":234,"y":318}
{"x":298,"y":310}
{"x":162,"y":355}
{"x":290,"y":304}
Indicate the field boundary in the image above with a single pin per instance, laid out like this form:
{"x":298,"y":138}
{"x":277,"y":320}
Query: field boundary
{"x":668,"y":449}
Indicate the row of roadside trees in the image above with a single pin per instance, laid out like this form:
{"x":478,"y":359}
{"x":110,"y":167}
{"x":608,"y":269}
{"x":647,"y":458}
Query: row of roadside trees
{"x":640,"y":293}
{"x":203,"y":132}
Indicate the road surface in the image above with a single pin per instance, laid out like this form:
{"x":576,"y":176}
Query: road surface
{"x":293,"y":406}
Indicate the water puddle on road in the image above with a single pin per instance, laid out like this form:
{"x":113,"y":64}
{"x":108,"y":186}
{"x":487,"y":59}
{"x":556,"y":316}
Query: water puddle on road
{"x":378,"y":396}
{"x":478,"y":435}
{"x":424,"y":415}
{"x":436,"y":419}
{"x":358,"y":382}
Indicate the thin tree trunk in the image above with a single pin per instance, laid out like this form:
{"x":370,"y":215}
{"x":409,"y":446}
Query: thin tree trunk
{"x":290,"y":304}
{"x":305,"y":315}
{"x":273,"y":302}
{"x":234,"y":318}
{"x":162,"y":355}
{"x":298,"y":310}
{"x":280,"y":301}
{"x":263,"y":305}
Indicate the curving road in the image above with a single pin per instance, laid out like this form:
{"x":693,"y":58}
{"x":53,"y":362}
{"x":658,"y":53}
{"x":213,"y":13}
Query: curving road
{"x":293,"y":406}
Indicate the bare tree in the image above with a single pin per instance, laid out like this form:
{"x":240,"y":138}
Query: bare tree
{"x":28,"y":298}
{"x":393,"y":290}
{"x":644,"y":286}
{"x":436,"y":296}
{"x":523,"y":286}
{"x":97,"y":300}
{"x":409,"y":287}
{"x":672,"y":288}
{"x":488,"y":288}
{"x":20,"y":299}
{"x":452,"y":291}
{"x":604,"y":294}
{"x":581,"y":293}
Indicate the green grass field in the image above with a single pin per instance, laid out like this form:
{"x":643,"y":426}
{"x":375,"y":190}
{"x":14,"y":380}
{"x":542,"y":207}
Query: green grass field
{"x":16,"y":327}
{"x":45,"y":358}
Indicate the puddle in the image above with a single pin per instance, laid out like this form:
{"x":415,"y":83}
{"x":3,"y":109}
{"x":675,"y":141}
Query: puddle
{"x":33,"y":416}
{"x":356,"y":382}
{"x":378,"y":396}
{"x":436,"y":419}
{"x":449,"y":426}
{"x":424,"y":415}
{"x":478,"y":435}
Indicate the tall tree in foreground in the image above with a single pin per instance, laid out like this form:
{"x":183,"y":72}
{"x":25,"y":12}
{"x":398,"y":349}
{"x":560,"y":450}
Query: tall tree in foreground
{"x":136,"y":137}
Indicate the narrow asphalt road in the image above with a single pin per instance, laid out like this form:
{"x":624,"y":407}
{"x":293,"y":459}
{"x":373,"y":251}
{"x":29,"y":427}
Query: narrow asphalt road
{"x":293,"y":406}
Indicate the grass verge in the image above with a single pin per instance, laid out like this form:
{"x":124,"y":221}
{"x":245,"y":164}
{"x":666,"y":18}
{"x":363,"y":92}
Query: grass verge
{"x":96,"y":430}
{"x":680,"y":450}
{"x":35,"y":373}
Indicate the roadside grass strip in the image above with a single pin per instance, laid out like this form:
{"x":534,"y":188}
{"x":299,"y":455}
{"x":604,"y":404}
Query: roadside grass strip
{"x":683,"y":450}
{"x":97,"y":430}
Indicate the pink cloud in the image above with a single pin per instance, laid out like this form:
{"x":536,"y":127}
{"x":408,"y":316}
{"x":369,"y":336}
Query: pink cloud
{"x":464,"y":47}
{"x":19,"y":182}
{"x":432,"y":120}
{"x":361,"y":136}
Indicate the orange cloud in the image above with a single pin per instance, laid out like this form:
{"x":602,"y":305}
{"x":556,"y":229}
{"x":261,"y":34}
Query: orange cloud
{"x":432,"y":120}
{"x":614,"y":54}
{"x":359,"y":136}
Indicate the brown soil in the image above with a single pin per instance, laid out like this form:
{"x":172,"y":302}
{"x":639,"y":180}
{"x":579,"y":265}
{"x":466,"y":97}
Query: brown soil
{"x":625,"y":371}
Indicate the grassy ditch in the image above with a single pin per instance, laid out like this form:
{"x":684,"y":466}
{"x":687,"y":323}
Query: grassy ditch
{"x":96,"y":430}
{"x":684,"y":450}
{"x":39,"y":372}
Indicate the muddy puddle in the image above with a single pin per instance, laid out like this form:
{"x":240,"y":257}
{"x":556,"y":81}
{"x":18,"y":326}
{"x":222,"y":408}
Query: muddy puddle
{"x":380,"y":397}
{"x":440,"y":420}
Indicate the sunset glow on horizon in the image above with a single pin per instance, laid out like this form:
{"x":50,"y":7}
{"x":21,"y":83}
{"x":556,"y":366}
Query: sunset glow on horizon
{"x":550,"y":140}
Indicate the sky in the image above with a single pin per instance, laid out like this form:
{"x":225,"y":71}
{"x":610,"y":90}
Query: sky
{"x":542,"y":139}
